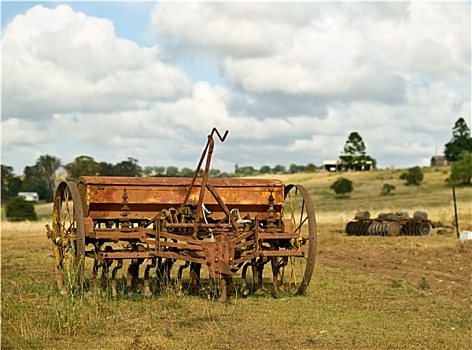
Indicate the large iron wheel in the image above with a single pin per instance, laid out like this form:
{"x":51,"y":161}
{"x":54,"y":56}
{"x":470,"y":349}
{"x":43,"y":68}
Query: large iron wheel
{"x":294,"y":273}
{"x":68,"y":238}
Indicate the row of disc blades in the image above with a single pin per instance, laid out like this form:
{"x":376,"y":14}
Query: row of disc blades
{"x":388,"y":228}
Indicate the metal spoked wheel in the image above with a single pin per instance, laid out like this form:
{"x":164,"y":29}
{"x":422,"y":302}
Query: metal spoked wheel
{"x":294,"y":273}
{"x":68,"y":238}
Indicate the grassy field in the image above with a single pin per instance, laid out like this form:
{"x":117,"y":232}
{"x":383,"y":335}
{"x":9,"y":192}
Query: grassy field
{"x":366,"y":293}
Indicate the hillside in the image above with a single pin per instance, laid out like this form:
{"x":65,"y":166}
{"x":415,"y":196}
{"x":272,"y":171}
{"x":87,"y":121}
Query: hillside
{"x":432,"y":196}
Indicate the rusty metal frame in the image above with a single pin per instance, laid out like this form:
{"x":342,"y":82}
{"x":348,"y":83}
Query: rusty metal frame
{"x":158,"y":227}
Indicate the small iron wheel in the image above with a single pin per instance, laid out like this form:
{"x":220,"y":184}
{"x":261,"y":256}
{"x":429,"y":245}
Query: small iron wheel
{"x":68,"y":238}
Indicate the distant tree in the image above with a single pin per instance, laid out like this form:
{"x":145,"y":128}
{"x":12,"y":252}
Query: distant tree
{"x":32,"y":183}
{"x":265,"y":169}
{"x":82,"y":166}
{"x":187,"y":172}
{"x":106,"y":169}
{"x":212,"y":173}
{"x":279,"y":169}
{"x":310,"y":168}
{"x":127,"y":167}
{"x":7,"y":174}
{"x":41,"y":177}
{"x":461,"y":141}
{"x":414,"y":176}
{"x":154,"y":170}
{"x":148,"y":171}
{"x":11,"y":184}
{"x":248,"y":170}
{"x":18,"y":209}
{"x":15,"y":186}
{"x":342,"y":186}
{"x":245,"y":170}
{"x":48,"y":165}
{"x":160,"y":170}
{"x":172,"y":171}
{"x":387,"y":189}
{"x":461,"y":172}
{"x":354,"y":153}
{"x":294,"y":169}
{"x":353,"y":148}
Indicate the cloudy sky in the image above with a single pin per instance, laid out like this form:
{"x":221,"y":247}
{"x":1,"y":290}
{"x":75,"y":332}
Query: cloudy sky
{"x":290,"y":81}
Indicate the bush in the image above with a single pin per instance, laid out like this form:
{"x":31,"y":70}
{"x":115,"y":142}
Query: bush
{"x":342,"y":186}
{"x":414,"y":176}
{"x":462,"y":170}
{"x":387,"y":189}
{"x":18,"y":209}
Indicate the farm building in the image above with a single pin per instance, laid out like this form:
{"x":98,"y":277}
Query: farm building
{"x":337,"y":165}
{"x":29,"y":196}
{"x":439,"y":161}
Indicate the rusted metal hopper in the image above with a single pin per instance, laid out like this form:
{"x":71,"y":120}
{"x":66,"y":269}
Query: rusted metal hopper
{"x":235,"y":227}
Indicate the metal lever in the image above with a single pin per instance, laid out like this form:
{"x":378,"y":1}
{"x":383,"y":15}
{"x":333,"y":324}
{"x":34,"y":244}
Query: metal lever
{"x":222,"y":139}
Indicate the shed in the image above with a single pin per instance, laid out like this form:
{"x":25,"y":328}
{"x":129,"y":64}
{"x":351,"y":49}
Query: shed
{"x":439,"y":161}
{"x":29,"y":196}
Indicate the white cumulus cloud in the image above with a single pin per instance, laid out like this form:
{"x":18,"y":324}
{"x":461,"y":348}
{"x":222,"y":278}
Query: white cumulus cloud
{"x":293,"y":80}
{"x":57,"y":60}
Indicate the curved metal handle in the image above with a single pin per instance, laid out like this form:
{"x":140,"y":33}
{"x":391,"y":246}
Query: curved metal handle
{"x":222,"y":139}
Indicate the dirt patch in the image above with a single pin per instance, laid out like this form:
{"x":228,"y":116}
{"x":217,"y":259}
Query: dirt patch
{"x":429,"y":264}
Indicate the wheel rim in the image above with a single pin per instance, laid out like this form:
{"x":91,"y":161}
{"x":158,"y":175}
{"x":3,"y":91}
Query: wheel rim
{"x":68,"y":238}
{"x":295,"y":272}
{"x":424,"y":229}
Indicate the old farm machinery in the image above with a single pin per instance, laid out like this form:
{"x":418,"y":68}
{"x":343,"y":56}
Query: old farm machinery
{"x":235,"y":227}
{"x":390,"y":224}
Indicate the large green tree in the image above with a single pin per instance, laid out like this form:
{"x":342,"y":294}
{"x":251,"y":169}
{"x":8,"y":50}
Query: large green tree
{"x":354,"y":153}
{"x":461,"y":141}
{"x":41,"y":177}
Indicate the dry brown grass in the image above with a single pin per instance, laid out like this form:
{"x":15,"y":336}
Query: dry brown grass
{"x":349,"y":305}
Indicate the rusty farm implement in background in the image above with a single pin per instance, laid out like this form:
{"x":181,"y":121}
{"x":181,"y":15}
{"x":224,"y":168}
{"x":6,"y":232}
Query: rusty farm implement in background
{"x":390,"y":224}
{"x":234,"y":226}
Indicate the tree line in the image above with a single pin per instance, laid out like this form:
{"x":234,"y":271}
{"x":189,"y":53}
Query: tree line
{"x":42,"y":177}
